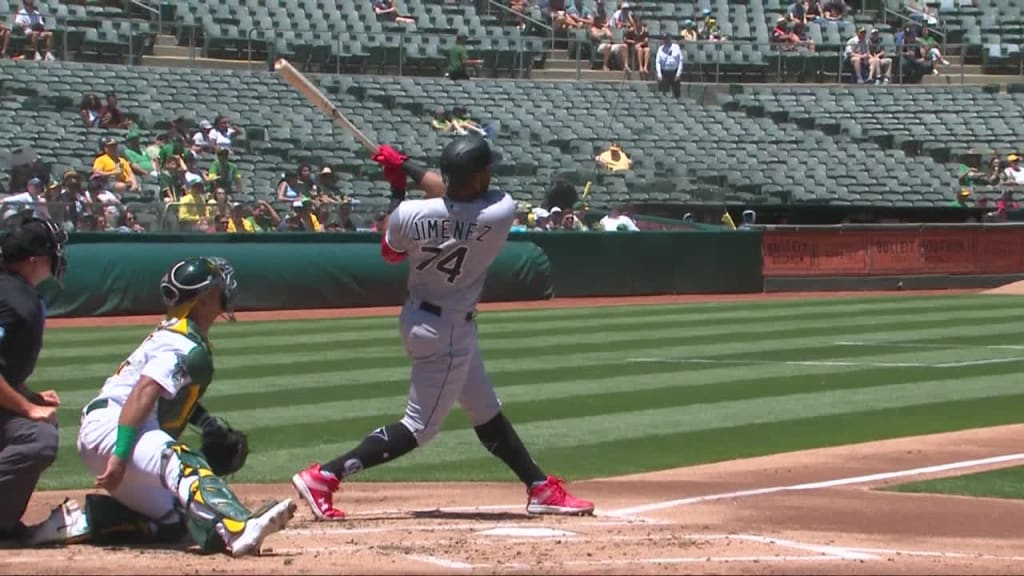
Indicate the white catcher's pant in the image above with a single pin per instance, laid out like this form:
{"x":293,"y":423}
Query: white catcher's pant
{"x":143,"y":489}
{"x":446,"y":368}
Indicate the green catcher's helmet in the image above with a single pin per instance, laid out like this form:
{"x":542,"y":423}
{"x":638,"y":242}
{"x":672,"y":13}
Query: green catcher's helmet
{"x":192,"y":277}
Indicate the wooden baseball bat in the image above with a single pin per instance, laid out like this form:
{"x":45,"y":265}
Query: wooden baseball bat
{"x":321,"y":101}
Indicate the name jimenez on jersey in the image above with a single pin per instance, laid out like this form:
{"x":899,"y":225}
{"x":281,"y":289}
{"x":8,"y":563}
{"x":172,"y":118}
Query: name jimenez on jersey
{"x":446,"y":229}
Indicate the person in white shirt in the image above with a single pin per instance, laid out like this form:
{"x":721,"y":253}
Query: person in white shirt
{"x":222,"y":133}
{"x":201,"y":137}
{"x":615,"y":221}
{"x":622,"y":17}
{"x":858,"y":54}
{"x":1014,"y":173}
{"x":669,"y":65}
{"x":32,"y":24}
{"x":31,"y":200}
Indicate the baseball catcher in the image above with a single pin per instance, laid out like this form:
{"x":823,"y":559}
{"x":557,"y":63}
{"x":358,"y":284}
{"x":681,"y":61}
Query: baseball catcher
{"x":159,"y":488}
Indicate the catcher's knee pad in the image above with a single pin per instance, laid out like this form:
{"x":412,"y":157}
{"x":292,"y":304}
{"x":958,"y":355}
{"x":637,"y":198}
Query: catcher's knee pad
{"x":113,"y":523}
{"x":205,"y":499}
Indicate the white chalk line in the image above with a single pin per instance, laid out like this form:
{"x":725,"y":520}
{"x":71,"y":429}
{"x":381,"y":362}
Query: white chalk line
{"x":663,"y":505}
{"x":443,"y":562}
{"x":930,"y":346}
{"x":450,"y":509}
{"x":847,"y":363}
{"x":926,"y":553}
{"x":836,"y":551}
{"x":326,"y":528}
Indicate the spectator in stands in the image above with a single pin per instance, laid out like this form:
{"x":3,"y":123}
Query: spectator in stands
{"x":5,"y":36}
{"x":200,"y":137}
{"x":858,"y":54}
{"x":668,"y":64}
{"x":110,"y":164}
{"x":622,"y":17}
{"x":288,"y":188}
{"x":171,"y":180}
{"x":223,"y":132}
{"x":708,"y":30}
{"x":301,"y":219}
{"x":142,"y":165}
{"x":1005,"y":202}
{"x":327,"y":180}
{"x":572,"y":223}
{"x":578,"y":16}
{"x":192,"y":168}
{"x":153,"y":150}
{"x":238,"y":222}
{"x":1014,"y":173}
{"x":224,"y":173}
{"x":31,"y":200}
{"x":812,"y":10}
{"x":879,"y":64}
{"x":689,"y":31}
{"x":178,"y":130}
{"x":387,"y":12}
{"x":638,"y":42}
{"x":459,"y":60}
{"x":345,"y":216}
{"x":111,"y":116}
{"x":100,"y":197}
{"x":604,"y":39}
{"x":961,"y":199}
{"x":305,"y":180}
{"x":90,"y":109}
{"x":614,"y":159}
{"x":803,"y":41}
{"x":69,"y":200}
{"x":996,"y":174}
{"x":174,"y":149}
{"x":834,"y":10}
{"x":127,"y":223}
{"x":193,"y":212}
{"x":914,"y":65}
{"x":782,"y":38}
{"x":615,"y":220}
{"x":797,"y":12}
{"x":31,"y":23}
{"x":264,"y":218}
{"x":219,"y":204}
{"x":930,"y":48}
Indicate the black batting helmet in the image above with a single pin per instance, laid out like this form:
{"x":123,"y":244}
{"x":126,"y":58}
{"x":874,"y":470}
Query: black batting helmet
{"x":34,"y":236}
{"x":190,"y":278}
{"x":464,"y":157}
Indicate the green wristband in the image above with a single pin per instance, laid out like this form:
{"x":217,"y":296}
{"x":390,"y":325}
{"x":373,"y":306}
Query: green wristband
{"x":126,"y":436}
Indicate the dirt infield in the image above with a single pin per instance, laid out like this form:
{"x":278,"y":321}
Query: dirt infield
{"x":323,"y":313}
{"x":809,"y":512}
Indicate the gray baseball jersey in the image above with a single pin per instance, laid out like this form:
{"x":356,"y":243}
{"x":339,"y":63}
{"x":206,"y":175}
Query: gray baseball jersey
{"x":450,"y":245}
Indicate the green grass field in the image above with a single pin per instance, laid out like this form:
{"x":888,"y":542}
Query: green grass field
{"x":1004,"y":483}
{"x":602,"y":391}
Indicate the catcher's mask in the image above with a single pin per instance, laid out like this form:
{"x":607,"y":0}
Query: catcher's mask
{"x":192,"y":277}
{"x":34,"y":236}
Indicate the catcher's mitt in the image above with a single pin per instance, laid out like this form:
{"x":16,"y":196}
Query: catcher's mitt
{"x":225,"y":449}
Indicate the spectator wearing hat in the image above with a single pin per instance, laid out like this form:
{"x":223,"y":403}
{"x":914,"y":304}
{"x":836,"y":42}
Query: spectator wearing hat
{"x":192,"y":167}
{"x":961,"y":199}
{"x":225,"y":173}
{"x":193,"y":211}
{"x":110,"y":164}
{"x":689,"y":31}
{"x":30,"y":201}
{"x":668,"y":64}
{"x":68,"y":206}
{"x":31,"y":23}
{"x":200,"y":137}
{"x":327,"y":182}
{"x":301,"y":219}
{"x":238,"y":221}
{"x":709,"y":29}
{"x":141,"y":163}
{"x":171,"y":181}
{"x":622,"y":17}
{"x":1014,"y":172}
{"x":857,"y":53}
{"x":879,"y":64}
{"x":614,"y":159}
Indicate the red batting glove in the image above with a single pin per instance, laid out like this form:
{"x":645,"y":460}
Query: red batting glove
{"x":396,"y":177}
{"x":387,"y":157}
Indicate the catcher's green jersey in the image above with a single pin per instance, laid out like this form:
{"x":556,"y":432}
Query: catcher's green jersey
{"x":178,"y":358}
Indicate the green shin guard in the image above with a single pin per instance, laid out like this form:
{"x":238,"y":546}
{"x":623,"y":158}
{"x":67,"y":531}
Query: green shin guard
{"x":205,"y":499}
{"x":112,"y":523}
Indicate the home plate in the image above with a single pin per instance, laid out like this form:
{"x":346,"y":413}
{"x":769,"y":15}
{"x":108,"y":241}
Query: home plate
{"x":527,"y":532}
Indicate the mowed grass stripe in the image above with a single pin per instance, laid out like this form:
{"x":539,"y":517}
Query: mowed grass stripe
{"x":287,"y":412}
{"x":541,"y":345}
{"x":349,"y":330}
{"x":618,"y":456}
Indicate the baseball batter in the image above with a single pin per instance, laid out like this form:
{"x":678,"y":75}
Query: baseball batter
{"x":450,"y":238}
{"x":129,"y":435}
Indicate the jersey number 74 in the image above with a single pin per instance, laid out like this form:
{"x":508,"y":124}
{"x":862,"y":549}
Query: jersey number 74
{"x":450,"y":265}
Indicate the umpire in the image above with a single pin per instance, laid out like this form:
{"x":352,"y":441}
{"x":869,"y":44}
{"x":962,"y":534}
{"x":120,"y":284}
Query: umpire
{"x":30,"y":253}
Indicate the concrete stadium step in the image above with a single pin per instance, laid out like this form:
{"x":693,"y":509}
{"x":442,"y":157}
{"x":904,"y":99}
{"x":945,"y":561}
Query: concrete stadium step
{"x":953,"y":78}
{"x":215,"y":63}
{"x":165,"y":40}
{"x":586,"y":75}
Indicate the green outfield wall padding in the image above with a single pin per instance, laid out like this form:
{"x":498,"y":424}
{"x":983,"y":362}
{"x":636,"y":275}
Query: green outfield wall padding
{"x":107,"y":277}
{"x":117,"y":274}
{"x":624,"y":263}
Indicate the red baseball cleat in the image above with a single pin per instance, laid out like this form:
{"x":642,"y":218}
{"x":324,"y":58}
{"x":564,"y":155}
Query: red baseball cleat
{"x":317,"y":489}
{"x":550,"y":497}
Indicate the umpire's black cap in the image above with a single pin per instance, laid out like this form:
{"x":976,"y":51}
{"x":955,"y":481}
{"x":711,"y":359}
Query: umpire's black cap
{"x":466,"y":155}
{"x":35,"y":237}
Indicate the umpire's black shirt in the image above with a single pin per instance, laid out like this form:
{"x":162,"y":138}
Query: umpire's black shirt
{"x":22,"y":315}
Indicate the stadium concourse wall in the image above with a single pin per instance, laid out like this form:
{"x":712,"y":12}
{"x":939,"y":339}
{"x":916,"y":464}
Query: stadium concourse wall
{"x":118,"y":274}
{"x":891,"y":257}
